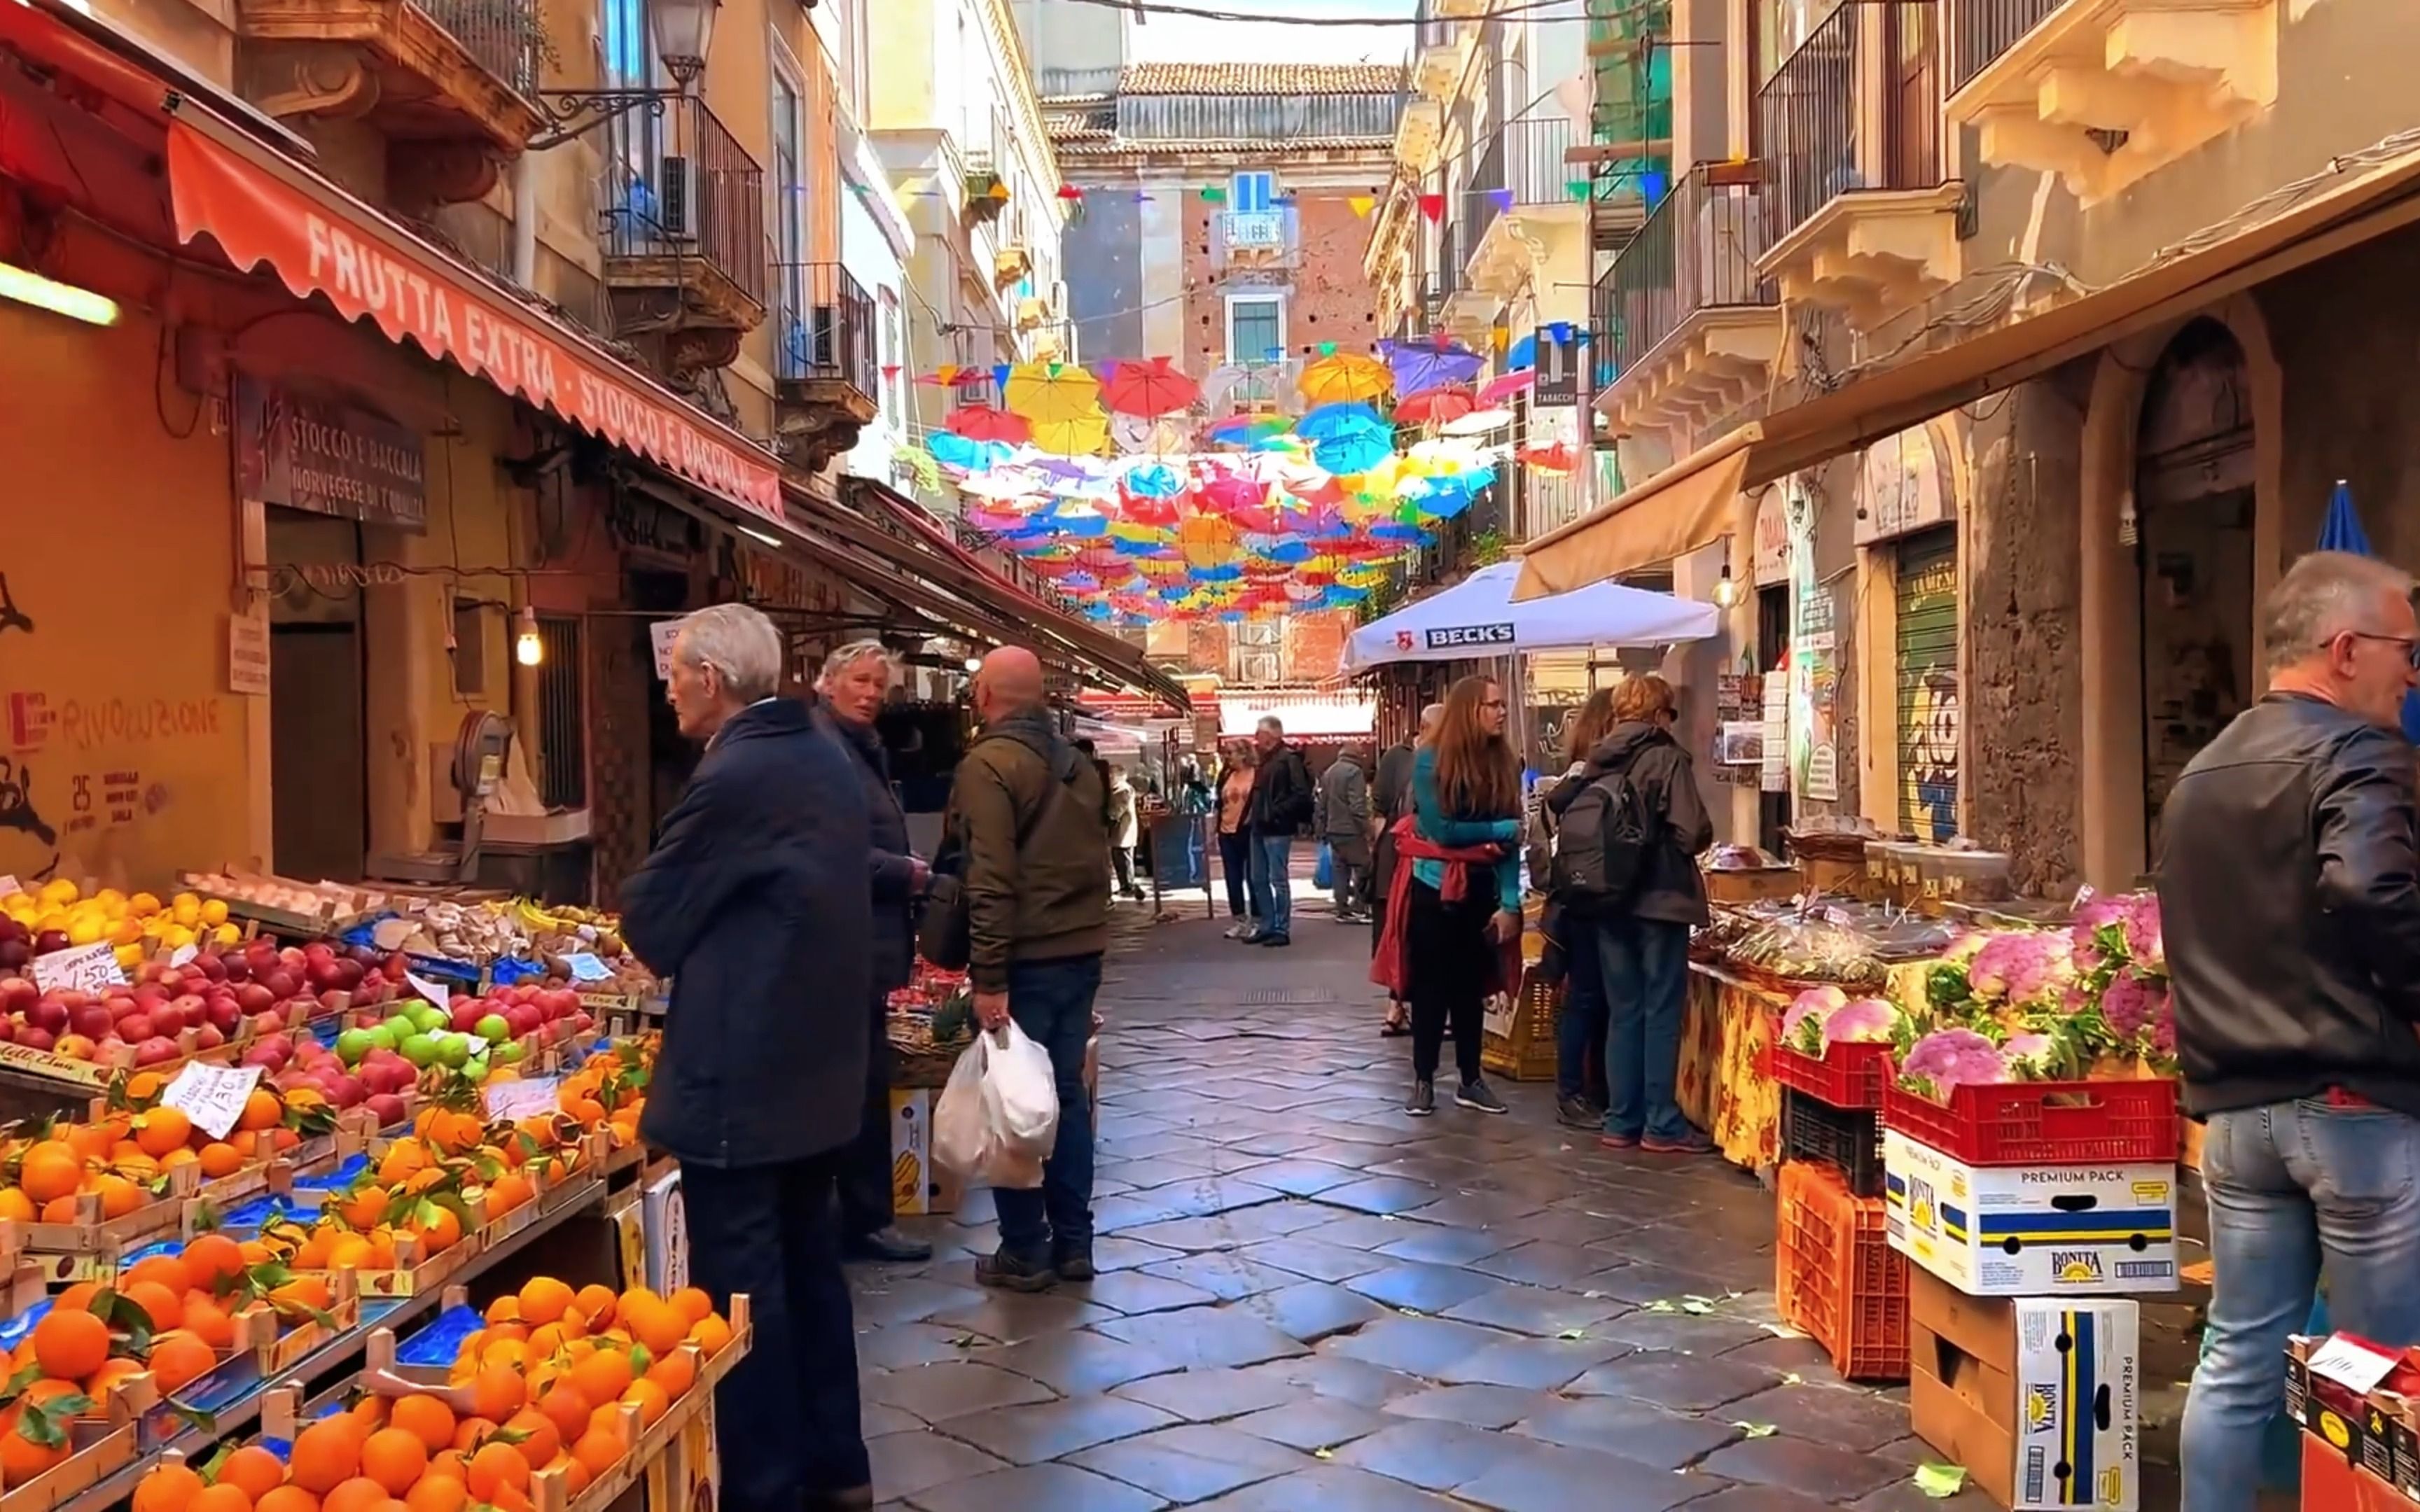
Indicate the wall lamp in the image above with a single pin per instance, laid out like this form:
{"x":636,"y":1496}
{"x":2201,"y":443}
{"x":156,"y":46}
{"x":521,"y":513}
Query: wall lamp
{"x":681,"y":31}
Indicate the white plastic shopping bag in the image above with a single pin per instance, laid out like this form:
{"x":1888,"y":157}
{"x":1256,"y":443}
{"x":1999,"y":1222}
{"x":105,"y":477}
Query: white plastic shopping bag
{"x":999,"y":1114}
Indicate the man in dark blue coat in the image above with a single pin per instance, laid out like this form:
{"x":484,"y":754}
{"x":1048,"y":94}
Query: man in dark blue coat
{"x":756,"y":905}
{"x":850,"y":696}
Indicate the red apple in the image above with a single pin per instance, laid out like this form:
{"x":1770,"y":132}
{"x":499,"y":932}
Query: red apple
{"x":154,"y":1050}
{"x":255,"y":997}
{"x":207,"y":1037}
{"x":33,"y":1039}
{"x":91,"y":1020}
{"x":50,"y":940}
{"x":17,"y":995}
{"x":49,"y":1015}
{"x":135,"y":1026}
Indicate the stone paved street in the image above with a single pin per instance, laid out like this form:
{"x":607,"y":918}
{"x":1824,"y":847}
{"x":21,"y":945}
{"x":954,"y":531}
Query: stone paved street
{"x":1311,"y":1302}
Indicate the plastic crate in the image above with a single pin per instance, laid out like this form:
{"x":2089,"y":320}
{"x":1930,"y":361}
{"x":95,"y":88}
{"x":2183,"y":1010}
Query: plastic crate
{"x":1849,"y":1140}
{"x":1845,"y":1075}
{"x":2043,"y":1123}
{"x":1518,"y":1040}
{"x":1837,"y":1275}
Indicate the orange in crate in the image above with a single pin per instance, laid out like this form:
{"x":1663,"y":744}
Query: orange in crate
{"x":1837,"y":1275}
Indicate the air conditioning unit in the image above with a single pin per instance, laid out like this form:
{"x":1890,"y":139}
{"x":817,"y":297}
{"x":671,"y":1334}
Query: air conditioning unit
{"x":677,"y":196}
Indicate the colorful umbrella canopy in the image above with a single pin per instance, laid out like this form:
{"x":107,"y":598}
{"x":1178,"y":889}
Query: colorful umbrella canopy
{"x":982,"y":423}
{"x":1076,"y":435}
{"x":1240,"y":430}
{"x":1344,"y":377}
{"x":1498,"y":390}
{"x":1429,"y":365}
{"x":1148,"y":389}
{"x":1432,"y":407}
{"x":1331,"y":420}
{"x":1557,"y":457}
{"x":1478,"y":422}
{"x":1045,"y":392}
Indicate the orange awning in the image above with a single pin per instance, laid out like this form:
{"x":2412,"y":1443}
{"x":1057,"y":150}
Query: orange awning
{"x":1686,"y":506}
{"x":263,"y":209}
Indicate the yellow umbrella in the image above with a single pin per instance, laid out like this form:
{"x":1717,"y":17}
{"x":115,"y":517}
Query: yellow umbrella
{"x":1047,"y":392}
{"x":1073,"y":435}
{"x":1340,"y":377}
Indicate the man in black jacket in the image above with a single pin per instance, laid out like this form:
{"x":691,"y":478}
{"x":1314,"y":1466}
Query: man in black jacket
{"x":755,"y":904}
{"x":856,"y":679}
{"x":1281,"y":804}
{"x":2290,"y":902}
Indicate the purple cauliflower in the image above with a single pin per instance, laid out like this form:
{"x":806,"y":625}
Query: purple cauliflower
{"x":2130,"y":1002}
{"x":2031,"y":966}
{"x":1802,"y":1027}
{"x":1948,"y":1059}
{"x":1867,"y":1021}
{"x":2031,"y":1057}
{"x":2145,"y":943}
{"x":2084,"y":931}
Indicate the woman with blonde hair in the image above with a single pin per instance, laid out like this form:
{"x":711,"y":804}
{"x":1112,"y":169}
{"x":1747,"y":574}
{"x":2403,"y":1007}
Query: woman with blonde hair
{"x":1454,"y":912}
{"x":1235,"y":832}
{"x":1641,"y":939}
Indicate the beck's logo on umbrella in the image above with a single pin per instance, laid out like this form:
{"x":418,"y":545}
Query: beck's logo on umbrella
{"x":1469,"y":635}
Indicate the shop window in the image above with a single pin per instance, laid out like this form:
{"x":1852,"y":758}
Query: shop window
{"x":562,"y":715}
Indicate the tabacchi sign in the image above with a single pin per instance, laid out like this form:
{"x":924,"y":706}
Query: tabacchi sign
{"x":365,"y":267}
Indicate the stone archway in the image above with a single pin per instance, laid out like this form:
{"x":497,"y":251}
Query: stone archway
{"x":2177,"y":399}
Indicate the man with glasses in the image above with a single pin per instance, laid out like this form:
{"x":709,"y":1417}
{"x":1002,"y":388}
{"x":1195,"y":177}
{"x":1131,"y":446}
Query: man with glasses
{"x":2290,"y":898}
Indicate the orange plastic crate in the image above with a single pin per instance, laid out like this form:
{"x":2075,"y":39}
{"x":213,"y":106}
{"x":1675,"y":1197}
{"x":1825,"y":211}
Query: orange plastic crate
{"x":1837,"y":1275}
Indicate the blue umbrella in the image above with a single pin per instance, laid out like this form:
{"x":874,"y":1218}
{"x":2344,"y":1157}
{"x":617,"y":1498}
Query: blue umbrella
{"x":1524,"y":354}
{"x":1334,"y":422}
{"x":2341,"y":532}
{"x":1357,"y":452}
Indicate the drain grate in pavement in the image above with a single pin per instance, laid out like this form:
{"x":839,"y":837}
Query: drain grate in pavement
{"x":1286,"y":996}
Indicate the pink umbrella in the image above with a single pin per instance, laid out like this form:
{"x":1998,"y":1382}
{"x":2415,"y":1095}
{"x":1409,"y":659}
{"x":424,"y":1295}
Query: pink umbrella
{"x":1431,"y":406}
{"x":1499,"y":390}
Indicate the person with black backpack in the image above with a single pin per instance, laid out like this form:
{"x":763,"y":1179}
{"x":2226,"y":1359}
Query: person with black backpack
{"x":1572,"y":938}
{"x":1629,"y":828}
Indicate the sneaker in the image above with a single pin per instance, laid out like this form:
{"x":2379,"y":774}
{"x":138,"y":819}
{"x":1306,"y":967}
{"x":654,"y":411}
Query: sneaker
{"x":1424,"y":1099}
{"x":1012,"y":1272}
{"x":1249,"y":933}
{"x":888,"y":1244}
{"x":1276,"y":941}
{"x":1692,"y":1143}
{"x":1578,"y":1113}
{"x":1075,"y":1265}
{"x":1474,"y":1094}
{"x":1618,"y":1141}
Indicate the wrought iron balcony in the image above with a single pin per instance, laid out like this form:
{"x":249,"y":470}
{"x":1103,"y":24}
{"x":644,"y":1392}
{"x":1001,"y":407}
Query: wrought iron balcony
{"x":1684,"y":322}
{"x":681,"y":212}
{"x":1981,"y":30}
{"x":826,"y":359}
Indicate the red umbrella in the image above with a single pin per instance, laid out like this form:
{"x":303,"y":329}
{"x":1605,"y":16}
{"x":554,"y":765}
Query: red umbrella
{"x":1557,"y":457}
{"x":1148,"y":389}
{"x":982,"y":423}
{"x":1433,"y":406}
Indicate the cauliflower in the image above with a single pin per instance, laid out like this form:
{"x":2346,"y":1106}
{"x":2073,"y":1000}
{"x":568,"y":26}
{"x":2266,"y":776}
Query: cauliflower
{"x":1949,"y":1058}
{"x":1867,"y":1021}
{"x":1802,"y":1027}
{"x":2032,"y":1057}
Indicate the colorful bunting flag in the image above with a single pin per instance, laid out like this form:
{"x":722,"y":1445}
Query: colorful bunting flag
{"x":1070,"y":192}
{"x":1362,"y":204}
{"x":1214,"y":194}
{"x":1433,"y":207}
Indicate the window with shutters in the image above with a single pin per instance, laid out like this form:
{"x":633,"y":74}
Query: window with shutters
{"x":1256,"y":329}
{"x":1930,"y":728}
{"x":1253,"y":192}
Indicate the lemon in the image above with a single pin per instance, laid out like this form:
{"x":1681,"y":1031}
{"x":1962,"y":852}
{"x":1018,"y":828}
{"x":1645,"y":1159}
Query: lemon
{"x":84,"y":928}
{"x":129,"y":957}
{"x":176,"y":937}
{"x":186,"y":910}
{"x":214,"y":912}
{"x":128,"y":932}
{"x":110,"y":898}
{"x":20,"y":901}
{"x":143,"y":904}
{"x":58,"y":892}
{"x":227,"y":934}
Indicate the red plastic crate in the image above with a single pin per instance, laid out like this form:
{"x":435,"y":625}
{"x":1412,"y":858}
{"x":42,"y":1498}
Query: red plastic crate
{"x":2041,"y":1123}
{"x":1837,"y":1275}
{"x":1845,"y":1075}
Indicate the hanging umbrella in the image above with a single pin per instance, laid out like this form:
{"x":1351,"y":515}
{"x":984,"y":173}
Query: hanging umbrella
{"x":2341,"y":532}
{"x":1523,"y":354}
{"x":1430,"y":406}
{"x":1498,"y":390}
{"x":1242,"y":430}
{"x":1357,"y":452}
{"x":1557,"y":457}
{"x":982,"y":423}
{"x":1477,"y":422}
{"x":1343,"y":377}
{"x":1331,"y":422}
{"x":968,"y":456}
{"x":1429,"y":365}
{"x":1135,"y":435}
{"x":1148,"y":389}
{"x":1047,"y":392}
{"x":1076,"y":435}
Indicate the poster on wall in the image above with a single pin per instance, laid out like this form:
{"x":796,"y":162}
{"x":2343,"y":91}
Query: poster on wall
{"x":1814,"y":696}
{"x":1773,"y":775}
{"x":327,"y":458}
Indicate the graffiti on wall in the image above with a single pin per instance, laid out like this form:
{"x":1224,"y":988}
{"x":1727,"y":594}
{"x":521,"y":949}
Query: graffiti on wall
{"x":1928,"y":712}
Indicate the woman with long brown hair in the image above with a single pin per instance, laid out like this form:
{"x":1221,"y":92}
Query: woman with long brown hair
{"x":1462,"y":903}
{"x":1582,"y":1023}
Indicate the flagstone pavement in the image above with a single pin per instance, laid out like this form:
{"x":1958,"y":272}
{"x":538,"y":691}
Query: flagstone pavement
{"x":1311,"y":1303}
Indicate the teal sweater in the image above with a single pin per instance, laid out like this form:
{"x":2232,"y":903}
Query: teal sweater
{"x":1430,"y":821}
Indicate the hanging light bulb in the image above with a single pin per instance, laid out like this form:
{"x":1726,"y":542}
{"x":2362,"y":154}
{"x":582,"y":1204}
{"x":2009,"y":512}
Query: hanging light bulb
{"x":974,"y":665}
{"x":1727,"y":590}
{"x":527,"y":648}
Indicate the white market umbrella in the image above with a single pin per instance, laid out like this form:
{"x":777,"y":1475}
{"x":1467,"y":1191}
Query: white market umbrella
{"x":1476,"y":617}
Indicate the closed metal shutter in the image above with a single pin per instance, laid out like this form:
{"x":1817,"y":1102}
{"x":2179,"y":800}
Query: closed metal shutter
{"x":1927,"y":657}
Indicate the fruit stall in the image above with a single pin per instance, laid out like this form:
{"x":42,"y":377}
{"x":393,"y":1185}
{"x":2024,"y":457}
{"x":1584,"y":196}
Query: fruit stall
{"x":321,"y":1198}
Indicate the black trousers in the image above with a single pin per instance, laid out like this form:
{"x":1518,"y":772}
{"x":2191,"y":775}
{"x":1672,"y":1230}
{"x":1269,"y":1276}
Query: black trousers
{"x":786,"y":1416}
{"x":1236,"y":860}
{"x":1449,"y":960}
{"x":865,"y":1189}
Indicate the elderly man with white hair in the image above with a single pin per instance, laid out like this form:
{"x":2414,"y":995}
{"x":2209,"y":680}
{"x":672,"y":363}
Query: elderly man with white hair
{"x":755,"y":904}
{"x":850,"y":696}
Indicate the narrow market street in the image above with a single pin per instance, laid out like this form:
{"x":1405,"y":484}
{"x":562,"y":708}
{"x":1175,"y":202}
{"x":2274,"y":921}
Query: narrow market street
{"x":1309,"y":1300}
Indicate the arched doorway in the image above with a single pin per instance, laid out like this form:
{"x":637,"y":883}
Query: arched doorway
{"x":2192,"y":523}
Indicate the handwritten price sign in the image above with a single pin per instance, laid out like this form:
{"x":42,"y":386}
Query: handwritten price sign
{"x":212,"y":1096}
{"x":90,"y":969}
{"x":437,"y":993}
{"x":529,"y":1099}
{"x":586,"y":968}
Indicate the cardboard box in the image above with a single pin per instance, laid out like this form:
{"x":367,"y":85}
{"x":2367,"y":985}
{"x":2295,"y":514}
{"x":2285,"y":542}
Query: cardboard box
{"x":667,"y":1225}
{"x":918,"y":1184}
{"x":2032,"y":1230}
{"x":2037,"y":1398}
{"x":2330,"y":1483}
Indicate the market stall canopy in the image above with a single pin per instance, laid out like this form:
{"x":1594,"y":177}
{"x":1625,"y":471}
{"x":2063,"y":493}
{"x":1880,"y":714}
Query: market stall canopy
{"x":1479,"y":617}
{"x":1679,"y":509}
{"x":1305,"y":716}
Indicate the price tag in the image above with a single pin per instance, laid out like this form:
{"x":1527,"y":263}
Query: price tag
{"x":662,"y":634}
{"x":586,"y":968}
{"x":2356,"y":1366}
{"x":212,"y":1096}
{"x":182,"y":954}
{"x":92,"y":968}
{"x":436,"y":992}
{"x":523,"y":1099}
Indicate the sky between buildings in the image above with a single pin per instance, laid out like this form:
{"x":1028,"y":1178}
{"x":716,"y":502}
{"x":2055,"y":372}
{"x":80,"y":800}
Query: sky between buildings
{"x":1173,"y":38}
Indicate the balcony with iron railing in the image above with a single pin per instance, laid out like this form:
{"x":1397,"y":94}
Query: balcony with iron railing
{"x":681,"y":215}
{"x":1685,"y":316}
{"x":449,"y":84}
{"x":2103,"y":92}
{"x":827,"y":362}
{"x":1528,"y":206}
{"x":1848,"y":132}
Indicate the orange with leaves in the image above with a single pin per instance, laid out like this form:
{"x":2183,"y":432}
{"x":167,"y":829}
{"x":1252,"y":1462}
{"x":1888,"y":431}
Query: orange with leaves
{"x":71,"y":1344}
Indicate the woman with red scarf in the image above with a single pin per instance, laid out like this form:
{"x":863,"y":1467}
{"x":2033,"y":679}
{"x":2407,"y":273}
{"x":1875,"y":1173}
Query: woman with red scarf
{"x":1453,"y":914}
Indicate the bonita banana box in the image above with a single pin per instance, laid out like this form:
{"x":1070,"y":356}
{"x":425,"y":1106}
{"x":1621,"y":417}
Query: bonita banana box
{"x":2032,"y":1230}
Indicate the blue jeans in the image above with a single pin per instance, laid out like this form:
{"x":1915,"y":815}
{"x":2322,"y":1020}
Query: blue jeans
{"x":1644,"y":965}
{"x":1583,"y":1020}
{"x":1052,"y":1002}
{"x":2293,"y":1188}
{"x":1272,"y":885}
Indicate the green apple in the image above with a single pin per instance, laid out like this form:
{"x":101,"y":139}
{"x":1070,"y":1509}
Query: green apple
{"x":429,"y":1018}
{"x":453,"y":1049}
{"x":420,"y":1049}
{"x":352,"y":1045}
{"x":382,"y":1038}
{"x":474,"y":1070}
{"x":510,"y":1052}
{"x":493,"y":1029}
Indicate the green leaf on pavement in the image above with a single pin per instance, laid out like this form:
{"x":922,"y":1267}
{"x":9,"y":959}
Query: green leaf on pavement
{"x":1756,"y":1430}
{"x":1661,"y":1304}
{"x":1939,"y":1482}
{"x":1573,"y":1333}
{"x":1323,"y":1454}
{"x":1697,"y":1306}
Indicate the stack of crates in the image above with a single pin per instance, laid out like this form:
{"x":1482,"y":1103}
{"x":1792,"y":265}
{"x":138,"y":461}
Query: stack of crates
{"x":1839,"y":1279}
